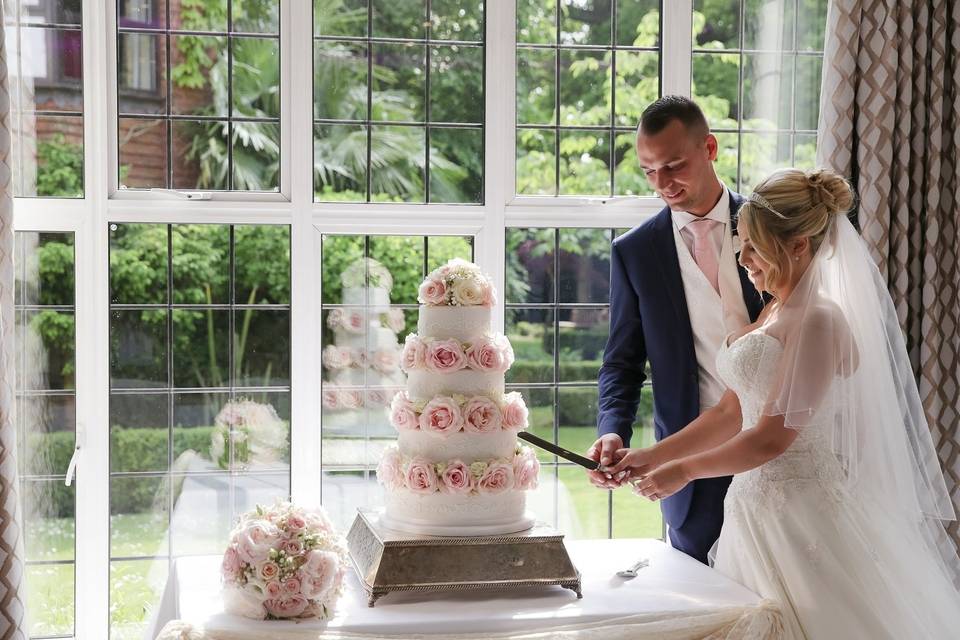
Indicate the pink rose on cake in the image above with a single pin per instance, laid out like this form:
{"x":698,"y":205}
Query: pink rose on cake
{"x":481,"y":415}
{"x":457,"y":478}
{"x":441,"y":415}
{"x":403,"y":415}
{"x":497,"y":478}
{"x":414,"y":353}
{"x":515,"y":413}
{"x":331,"y":397}
{"x":490,"y":354}
{"x":421,"y":476}
{"x":354,"y":322}
{"x":390,"y":471}
{"x":433,"y":291}
{"x":445,"y":356}
{"x":526,"y":469}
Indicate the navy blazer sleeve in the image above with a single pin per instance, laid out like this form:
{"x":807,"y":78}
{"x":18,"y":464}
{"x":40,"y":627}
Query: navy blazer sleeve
{"x":624,"y":358}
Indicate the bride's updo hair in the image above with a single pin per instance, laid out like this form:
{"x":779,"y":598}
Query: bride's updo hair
{"x":792,"y":203}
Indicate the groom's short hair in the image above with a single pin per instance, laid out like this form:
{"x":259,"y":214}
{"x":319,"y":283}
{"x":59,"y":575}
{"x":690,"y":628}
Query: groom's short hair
{"x":665,"y":110}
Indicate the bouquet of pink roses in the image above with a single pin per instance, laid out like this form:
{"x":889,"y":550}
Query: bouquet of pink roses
{"x":283,"y":562}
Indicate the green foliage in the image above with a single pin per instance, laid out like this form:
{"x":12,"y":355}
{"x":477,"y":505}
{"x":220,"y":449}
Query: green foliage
{"x":59,"y":168}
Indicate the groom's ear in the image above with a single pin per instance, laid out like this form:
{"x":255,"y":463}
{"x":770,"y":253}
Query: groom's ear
{"x":713,"y":147}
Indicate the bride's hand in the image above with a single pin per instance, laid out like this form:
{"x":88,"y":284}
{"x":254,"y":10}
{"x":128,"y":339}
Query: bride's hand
{"x":633,"y":463}
{"x":662,"y":482}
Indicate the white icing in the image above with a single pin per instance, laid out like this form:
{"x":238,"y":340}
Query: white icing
{"x":424,"y":385}
{"x":461,"y":323}
{"x":450,"y":514}
{"x":467,"y":447}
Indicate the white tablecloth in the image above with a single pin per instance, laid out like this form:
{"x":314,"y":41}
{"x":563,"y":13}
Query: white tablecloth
{"x":674,"y":598}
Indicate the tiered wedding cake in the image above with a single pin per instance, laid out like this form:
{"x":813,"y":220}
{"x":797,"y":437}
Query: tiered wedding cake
{"x":363,"y":360}
{"x":457,"y":467}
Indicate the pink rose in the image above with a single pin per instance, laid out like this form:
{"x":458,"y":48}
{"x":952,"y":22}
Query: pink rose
{"x":319,"y":573}
{"x":331,"y":397}
{"x":389,"y":472}
{"x":273,"y":589}
{"x":515,"y":413}
{"x":441,"y":415}
{"x":289,"y":607}
{"x":384,"y":360}
{"x":351,"y":398}
{"x":485,"y":355}
{"x":445,"y":356}
{"x":230,"y":566}
{"x":506,"y":349}
{"x":291,"y":586}
{"x":268,"y":571}
{"x":457,"y":478}
{"x":433,"y":291}
{"x":421,"y":477}
{"x":296,"y":523}
{"x":526,"y":469}
{"x":354,"y":322}
{"x":335,"y":318}
{"x":402,"y":414}
{"x":414,"y":353}
{"x":256,"y":540}
{"x":481,"y":415}
{"x":293,"y":547}
{"x":497,"y":478}
{"x":489,"y":295}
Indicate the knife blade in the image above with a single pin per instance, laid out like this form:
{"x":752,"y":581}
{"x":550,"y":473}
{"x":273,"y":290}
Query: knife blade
{"x":576,"y":458}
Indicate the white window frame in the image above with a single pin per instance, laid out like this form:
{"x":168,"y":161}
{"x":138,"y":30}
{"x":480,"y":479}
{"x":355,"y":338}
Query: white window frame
{"x":103,"y":203}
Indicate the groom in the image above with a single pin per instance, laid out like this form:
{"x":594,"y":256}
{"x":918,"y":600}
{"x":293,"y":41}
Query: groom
{"x":676,"y":291}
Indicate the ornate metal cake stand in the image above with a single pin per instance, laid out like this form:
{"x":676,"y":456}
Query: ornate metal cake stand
{"x":388,"y":560}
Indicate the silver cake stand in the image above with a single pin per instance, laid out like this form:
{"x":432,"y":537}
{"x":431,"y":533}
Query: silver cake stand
{"x":388,"y":560}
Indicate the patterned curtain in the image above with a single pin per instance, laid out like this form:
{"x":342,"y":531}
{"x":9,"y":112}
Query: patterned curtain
{"x":12,"y":593}
{"x":890,"y":120}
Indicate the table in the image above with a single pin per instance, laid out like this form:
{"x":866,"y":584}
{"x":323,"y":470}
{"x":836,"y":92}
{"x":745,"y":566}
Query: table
{"x":674,"y":598}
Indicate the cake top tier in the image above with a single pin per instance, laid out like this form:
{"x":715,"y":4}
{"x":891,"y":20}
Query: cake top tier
{"x":457,"y":284}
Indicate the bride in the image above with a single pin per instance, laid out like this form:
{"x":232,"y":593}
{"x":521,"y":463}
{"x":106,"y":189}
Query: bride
{"x":838,"y":504}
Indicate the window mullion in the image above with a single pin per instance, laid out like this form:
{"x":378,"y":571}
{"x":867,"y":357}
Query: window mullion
{"x":676,"y":47}
{"x":296,"y":29}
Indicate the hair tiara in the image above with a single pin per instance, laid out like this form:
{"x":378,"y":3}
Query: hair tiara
{"x":763,"y":202}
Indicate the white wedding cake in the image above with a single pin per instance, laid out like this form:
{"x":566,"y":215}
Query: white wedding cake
{"x":457,"y":467}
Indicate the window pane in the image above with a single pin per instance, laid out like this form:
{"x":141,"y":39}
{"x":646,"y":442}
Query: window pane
{"x":45,"y":70}
{"x":558,"y":341}
{"x":377,"y":103}
{"x":45,"y":368}
{"x":228,"y":84}
{"x":200,"y":395}
{"x":761,"y":92}
{"x":577,"y":87}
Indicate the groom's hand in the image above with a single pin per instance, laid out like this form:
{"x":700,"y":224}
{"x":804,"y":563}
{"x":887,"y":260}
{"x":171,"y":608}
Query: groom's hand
{"x":603,"y":451}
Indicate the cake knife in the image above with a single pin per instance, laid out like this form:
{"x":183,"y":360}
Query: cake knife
{"x":583,"y":461}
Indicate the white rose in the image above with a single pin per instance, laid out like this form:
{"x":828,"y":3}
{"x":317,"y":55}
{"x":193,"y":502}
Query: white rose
{"x":242,"y":602}
{"x":468,"y":292}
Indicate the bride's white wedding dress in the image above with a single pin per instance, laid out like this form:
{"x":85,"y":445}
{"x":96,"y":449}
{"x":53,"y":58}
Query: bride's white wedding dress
{"x":839,"y":565}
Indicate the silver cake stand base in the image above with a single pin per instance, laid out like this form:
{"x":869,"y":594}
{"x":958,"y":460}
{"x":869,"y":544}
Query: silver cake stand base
{"x":388,"y":560}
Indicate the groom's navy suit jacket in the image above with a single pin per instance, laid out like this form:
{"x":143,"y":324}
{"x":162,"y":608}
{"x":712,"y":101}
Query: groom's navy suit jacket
{"x":649,"y":321}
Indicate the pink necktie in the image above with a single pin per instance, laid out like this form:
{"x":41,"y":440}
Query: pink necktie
{"x":705,"y":250}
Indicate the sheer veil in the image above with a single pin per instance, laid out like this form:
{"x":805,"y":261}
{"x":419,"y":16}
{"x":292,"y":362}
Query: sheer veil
{"x":845,"y":369}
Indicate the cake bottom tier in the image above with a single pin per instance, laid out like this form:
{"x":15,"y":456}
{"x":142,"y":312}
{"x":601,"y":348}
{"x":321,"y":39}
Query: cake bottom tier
{"x":442,"y":514}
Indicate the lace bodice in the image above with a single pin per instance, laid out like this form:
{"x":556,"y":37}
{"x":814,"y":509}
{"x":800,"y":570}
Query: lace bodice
{"x":748,"y":366}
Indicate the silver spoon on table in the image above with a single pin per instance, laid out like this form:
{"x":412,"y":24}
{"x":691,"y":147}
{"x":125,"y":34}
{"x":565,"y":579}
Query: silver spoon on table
{"x":632,"y":571}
